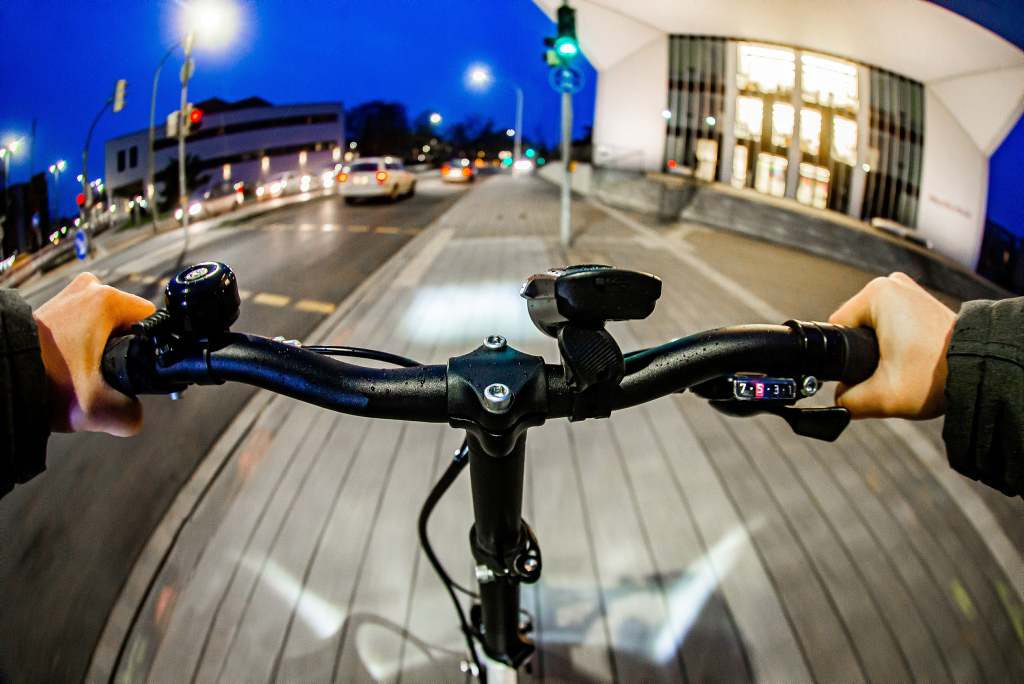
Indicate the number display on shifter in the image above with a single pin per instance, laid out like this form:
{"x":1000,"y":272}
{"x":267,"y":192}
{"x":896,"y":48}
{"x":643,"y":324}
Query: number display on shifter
{"x":754,"y":388}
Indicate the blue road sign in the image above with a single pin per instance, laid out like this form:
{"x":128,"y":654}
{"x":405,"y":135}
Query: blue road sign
{"x":81,"y":244}
{"x":566,"y":79}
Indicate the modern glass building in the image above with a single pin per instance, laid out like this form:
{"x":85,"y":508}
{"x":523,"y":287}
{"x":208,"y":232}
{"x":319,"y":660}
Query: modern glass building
{"x":876,"y":109}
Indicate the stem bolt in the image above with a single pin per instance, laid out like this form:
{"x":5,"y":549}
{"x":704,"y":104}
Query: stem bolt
{"x":484,"y":574}
{"x":530,"y":564}
{"x":495,"y":342}
{"x":497,"y":398}
{"x":810,"y":386}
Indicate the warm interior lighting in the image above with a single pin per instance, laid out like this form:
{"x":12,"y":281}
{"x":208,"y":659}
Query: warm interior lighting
{"x":813,"y":187}
{"x":749,"y":115}
{"x":783,"y":120}
{"x":828,"y":81}
{"x":765,"y":69}
{"x":810,"y":131}
{"x":844,"y":140}
{"x":770,"y":174}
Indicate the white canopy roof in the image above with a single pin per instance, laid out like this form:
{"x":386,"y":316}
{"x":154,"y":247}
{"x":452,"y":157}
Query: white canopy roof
{"x":975,"y":73}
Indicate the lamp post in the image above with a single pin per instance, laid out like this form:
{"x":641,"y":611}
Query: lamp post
{"x":482,"y":77}
{"x":186,"y":74}
{"x":56,"y":170}
{"x":6,"y":152}
{"x":151,"y":173}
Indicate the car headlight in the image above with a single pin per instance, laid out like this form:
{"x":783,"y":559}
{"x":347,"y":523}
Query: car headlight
{"x":178,"y":213}
{"x":195,"y":209}
{"x":259,"y":191}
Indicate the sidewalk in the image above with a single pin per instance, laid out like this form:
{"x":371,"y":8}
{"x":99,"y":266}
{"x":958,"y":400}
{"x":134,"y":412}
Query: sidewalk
{"x":678,"y":543}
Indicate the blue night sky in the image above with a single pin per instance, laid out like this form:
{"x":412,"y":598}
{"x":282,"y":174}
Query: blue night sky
{"x":59,"y":61}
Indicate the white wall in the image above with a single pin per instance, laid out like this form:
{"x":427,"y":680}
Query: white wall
{"x":954,"y":182}
{"x":627,"y":117}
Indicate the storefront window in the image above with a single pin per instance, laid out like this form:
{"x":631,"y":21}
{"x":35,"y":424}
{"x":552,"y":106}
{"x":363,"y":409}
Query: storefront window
{"x":844,"y":140}
{"x":749,"y":116}
{"x":782,"y":124}
{"x":829,"y":82}
{"x":765,"y":69}
{"x":810,"y":131}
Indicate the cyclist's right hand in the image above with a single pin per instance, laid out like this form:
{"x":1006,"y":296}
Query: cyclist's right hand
{"x":913,"y":330}
{"x":73,"y":331}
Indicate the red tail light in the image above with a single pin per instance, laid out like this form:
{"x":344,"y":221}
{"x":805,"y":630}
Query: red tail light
{"x":466,"y":171}
{"x":342,"y":177}
{"x":382,"y":176}
{"x":445,"y":170}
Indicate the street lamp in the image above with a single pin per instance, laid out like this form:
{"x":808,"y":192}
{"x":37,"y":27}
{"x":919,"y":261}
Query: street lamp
{"x":435,"y":118}
{"x":56,"y":169}
{"x":6,"y":152}
{"x":482,"y":77}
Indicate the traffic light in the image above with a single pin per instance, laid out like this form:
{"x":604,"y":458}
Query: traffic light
{"x":172,"y":124}
{"x":566,"y":45}
{"x":192,"y":119}
{"x":80,"y":199}
{"x":119,"y":93}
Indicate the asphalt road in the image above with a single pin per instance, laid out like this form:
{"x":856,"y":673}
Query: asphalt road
{"x":69,"y":538}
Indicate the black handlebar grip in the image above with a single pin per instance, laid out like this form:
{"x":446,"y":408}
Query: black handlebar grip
{"x":129,"y":366}
{"x":861,"y":357}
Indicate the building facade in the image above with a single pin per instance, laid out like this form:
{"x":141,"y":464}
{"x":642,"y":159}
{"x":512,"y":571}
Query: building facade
{"x":876,"y":109}
{"x":242,"y":141}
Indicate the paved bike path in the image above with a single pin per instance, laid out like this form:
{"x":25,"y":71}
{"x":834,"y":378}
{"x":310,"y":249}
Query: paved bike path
{"x":678,"y":543}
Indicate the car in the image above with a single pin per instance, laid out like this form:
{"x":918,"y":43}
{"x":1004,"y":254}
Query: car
{"x":219,"y":198}
{"x":376,"y":177}
{"x":319,"y":180}
{"x":283,"y":183}
{"x":458,"y":171}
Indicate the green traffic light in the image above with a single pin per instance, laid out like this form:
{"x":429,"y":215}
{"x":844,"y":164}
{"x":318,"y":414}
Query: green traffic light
{"x":530,"y":152}
{"x":566,"y":47}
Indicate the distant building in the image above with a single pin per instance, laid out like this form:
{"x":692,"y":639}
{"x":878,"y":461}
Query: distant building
{"x":27,"y":224}
{"x":1002,"y":257}
{"x":240,"y":141}
{"x":875,"y":108}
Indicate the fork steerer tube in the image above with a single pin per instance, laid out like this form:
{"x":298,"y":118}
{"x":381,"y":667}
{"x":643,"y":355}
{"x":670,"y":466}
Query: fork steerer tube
{"x":497,"y":485}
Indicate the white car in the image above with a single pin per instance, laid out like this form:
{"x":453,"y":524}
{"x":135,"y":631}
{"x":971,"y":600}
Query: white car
{"x":225,"y":196}
{"x":284,"y":183}
{"x":376,"y":177}
{"x":458,"y":171}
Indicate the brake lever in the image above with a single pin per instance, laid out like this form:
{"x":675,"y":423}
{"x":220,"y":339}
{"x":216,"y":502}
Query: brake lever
{"x":751,"y":395}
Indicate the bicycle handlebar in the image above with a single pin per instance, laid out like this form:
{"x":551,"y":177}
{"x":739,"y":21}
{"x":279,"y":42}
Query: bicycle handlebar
{"x":421,"y":393}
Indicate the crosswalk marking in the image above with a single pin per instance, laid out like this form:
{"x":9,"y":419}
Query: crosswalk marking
{"x":314,"y":306}
{"x":271,"y":299}
{"x":333,"y":228}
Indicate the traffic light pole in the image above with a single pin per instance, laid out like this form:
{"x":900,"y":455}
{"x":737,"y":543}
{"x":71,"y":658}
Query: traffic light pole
{"x":565,"y":230}
{"x":86,"y":187}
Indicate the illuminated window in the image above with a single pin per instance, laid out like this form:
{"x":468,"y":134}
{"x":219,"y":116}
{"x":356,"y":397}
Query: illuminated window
{"x":782,"y":124}
{"x":749,"y":114}
{"x":739,"y":166}
{"x":813,"y":187}
{"x":810,"y":131}
{"x":770,"y":175}
{"x":226,"y":171}
{"x":765,"y":69}
{"x":828,"y":81}
{"x":844,"y":140}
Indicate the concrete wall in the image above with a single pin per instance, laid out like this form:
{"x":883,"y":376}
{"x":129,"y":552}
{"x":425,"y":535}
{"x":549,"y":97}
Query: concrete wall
{"x":954,"y":183}
{"x":629,"y":130}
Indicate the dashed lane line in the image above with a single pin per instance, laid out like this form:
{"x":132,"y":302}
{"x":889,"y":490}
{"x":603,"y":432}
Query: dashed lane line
{"x":315,"y":306}
{"x":271,"y":299}
{"x":387,"y":229}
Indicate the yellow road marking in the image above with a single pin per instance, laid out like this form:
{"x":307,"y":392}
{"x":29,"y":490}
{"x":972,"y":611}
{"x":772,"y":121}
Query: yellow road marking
{"x":244,"y":294}
{"x":387,"y":229}
{"x":314,"y":306}
{"x":357,"y":229}
{"x":328,"y":227}
{"x":963,"y":599}
{"x":271,"y":299}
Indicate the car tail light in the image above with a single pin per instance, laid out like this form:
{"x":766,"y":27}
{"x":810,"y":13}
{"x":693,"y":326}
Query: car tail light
{"x":382,"y":176}
{"x":466,"y":171}
{"x":445,"y":170}
{"x":342,"y":177}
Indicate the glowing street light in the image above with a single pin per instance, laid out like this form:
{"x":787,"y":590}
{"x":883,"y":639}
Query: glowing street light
{"x":212,"y":22}
{"x":481,"y":76}
{"x":56,"y":170}
{"x":435,"y":118}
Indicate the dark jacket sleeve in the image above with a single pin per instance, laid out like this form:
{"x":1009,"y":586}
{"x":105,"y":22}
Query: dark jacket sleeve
{"x":984,"y":427}
{"x":24,"y":422}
